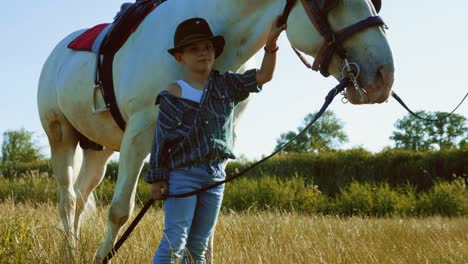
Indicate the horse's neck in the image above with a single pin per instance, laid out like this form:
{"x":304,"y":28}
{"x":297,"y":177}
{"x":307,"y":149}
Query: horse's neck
{"x":247,"y":30}
{"x":244,"y":24}
{"x":244,"y":27}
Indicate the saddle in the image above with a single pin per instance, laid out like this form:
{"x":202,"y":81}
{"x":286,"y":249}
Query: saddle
{"x":105,"y":40}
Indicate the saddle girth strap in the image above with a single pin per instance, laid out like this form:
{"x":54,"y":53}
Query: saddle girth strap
{"x":106,"y":73}
{"x":116,"y":38}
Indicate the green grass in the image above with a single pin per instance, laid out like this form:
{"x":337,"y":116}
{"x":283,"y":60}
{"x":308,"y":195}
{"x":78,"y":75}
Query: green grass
{"x":289,"y":195}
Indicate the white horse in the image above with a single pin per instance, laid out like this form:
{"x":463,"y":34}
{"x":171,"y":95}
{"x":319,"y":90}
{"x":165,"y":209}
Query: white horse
{"x":142,"y":68}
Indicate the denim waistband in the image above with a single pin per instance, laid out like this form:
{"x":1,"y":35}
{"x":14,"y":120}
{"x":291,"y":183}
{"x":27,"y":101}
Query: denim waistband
{"x":208,"y":163}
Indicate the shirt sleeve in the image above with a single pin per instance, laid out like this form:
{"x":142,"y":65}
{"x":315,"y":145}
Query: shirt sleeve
{"x":157,"y":171}
{"x":243,"y":84}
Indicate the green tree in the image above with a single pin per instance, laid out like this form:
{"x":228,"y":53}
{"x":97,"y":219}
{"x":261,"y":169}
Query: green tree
{"x":325,"y":134}
{"x":18,"y":146}
{"x":416,"y":134}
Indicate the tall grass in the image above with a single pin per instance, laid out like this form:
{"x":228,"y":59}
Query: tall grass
{"x":32,"y":233}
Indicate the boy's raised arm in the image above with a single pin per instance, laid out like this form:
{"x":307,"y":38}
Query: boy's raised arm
{"x":265,"y":74}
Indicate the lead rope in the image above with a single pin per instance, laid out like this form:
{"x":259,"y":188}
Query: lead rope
{"x":328,"y":100}
{"x":399,"y":100}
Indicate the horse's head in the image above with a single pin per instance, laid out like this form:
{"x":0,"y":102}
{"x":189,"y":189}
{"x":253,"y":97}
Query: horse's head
{"x":367,"y":47}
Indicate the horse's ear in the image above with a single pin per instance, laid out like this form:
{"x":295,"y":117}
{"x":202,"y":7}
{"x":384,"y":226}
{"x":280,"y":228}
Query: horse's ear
{"x":377,"y":5}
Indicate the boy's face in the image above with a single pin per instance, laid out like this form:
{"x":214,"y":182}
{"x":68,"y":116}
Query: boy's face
{"x":198,"y":56}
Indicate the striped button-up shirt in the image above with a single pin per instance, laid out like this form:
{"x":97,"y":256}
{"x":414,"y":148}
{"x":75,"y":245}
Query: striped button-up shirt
{"x":188,"y":132}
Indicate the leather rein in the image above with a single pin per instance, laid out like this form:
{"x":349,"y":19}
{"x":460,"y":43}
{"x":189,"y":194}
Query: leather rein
{"x":333,"y":44}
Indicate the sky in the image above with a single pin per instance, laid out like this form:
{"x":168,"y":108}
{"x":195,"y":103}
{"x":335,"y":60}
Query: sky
{"x":429,"y":41}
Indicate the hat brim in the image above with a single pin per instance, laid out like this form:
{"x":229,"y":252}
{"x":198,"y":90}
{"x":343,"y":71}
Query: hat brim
{"x":218,"y":43}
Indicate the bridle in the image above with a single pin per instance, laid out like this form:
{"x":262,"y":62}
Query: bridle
{"x":317,"y":12}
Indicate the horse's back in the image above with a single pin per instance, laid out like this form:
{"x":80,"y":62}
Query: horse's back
{"x":52,"y":67}
{"x":51,"y":70}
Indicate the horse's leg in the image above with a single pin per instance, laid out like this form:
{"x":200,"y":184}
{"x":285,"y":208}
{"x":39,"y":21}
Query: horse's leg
{"x":91,"y":174}
{"x":136,"y":145}
{"x":63,"y":139}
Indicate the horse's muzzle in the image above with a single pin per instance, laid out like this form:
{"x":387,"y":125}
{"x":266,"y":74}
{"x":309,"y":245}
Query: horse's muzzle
{"x":376,"y":89}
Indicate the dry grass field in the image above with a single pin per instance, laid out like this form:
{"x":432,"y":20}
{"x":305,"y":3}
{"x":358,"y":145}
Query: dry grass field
{"x":31,"y":233}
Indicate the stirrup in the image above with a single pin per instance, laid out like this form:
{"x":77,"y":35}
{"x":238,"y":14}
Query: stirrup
{"x":98,"y":107}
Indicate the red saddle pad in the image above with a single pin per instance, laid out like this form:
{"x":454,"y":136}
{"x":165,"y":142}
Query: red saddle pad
{"x":85,"y":41}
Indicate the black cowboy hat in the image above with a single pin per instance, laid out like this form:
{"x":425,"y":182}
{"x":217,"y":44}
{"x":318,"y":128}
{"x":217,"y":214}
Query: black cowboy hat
{"x":192,"y":30}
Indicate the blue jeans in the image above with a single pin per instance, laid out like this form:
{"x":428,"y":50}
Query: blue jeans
{"x":189,"y":222}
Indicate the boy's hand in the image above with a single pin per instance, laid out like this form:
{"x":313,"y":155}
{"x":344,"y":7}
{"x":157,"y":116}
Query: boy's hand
{"x":275,"y":33}
{"x":159,"y":190}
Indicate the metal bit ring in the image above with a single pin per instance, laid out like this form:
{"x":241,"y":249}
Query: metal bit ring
{"x":347,"y":71}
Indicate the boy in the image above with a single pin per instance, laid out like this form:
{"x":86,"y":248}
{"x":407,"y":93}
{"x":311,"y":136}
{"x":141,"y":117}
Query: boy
{"x":193,"y":137}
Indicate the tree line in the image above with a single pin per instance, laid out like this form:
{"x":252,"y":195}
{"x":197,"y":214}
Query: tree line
{"x":410,"y":133}
{"x":326,"y":134}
